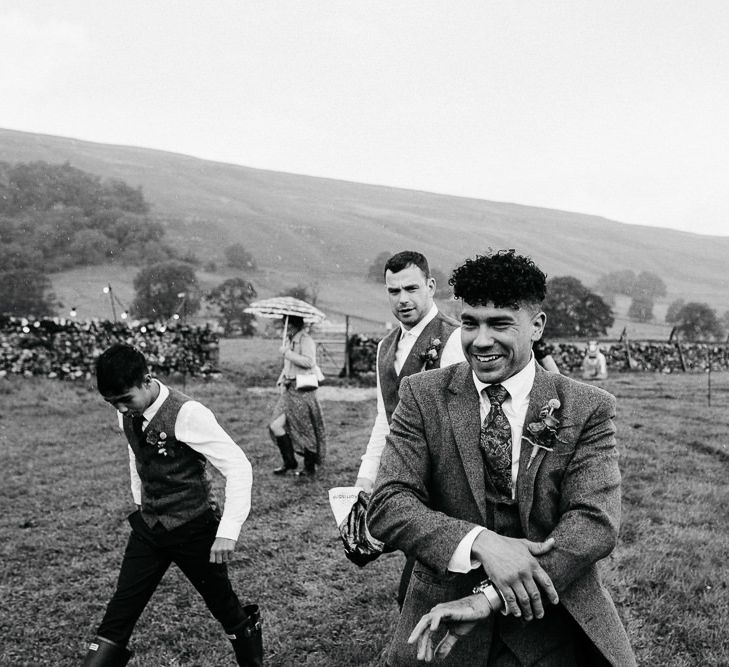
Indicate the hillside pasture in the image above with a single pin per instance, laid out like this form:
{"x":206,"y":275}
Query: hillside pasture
{"x":65,"y":497}
{"x":325,"y":232}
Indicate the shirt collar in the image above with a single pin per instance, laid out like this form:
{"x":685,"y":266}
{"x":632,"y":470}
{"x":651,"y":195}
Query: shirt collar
{"x":151,"y":411}
{"x":418,"y":328}
{"x":518,"y":385}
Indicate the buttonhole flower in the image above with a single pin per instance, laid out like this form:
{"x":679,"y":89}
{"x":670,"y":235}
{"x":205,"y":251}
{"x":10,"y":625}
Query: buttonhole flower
{"x":429,"y":356}
{"x":543,"y":432}
{"x":159,"y":440}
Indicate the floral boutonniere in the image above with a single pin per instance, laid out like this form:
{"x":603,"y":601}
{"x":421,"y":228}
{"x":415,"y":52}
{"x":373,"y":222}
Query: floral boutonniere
{"x":429,"y":356}
{"x":159,"y":440}
{"x":544,"y":432}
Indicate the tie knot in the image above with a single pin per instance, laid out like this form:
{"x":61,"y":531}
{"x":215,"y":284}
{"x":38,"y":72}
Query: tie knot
{"x":497,"y":393}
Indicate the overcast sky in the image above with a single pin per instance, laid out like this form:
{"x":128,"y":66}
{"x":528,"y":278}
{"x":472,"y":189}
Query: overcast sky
{"x":615,"y":108}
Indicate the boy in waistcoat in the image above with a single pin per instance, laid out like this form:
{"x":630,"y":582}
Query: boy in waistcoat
{"x":171,"y":439}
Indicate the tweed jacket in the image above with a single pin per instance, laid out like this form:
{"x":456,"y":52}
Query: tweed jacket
{"x":430,"y":493}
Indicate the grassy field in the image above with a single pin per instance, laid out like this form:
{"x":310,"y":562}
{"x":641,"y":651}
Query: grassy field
{"x":65,"y":497}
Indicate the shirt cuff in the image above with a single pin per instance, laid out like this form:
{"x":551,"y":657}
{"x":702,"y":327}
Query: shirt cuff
{"x":368,"y":469}
{"x":461,"y":560}
{"x":230,"y":530}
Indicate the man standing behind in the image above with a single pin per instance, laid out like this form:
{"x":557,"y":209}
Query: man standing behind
{"x":496,"y":527}
{"x":425,"y":339}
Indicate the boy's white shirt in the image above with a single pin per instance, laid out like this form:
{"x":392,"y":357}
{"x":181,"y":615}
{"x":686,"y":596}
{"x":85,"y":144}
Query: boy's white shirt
{"x":198,"y":428}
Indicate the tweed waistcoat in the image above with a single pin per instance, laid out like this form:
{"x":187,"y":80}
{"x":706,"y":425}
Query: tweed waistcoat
{"x":175,"y":480}
{"x":439,"y":328}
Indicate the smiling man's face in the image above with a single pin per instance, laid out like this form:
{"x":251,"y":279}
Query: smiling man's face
{"x":410,"y":293}
{"x":497,"y":342}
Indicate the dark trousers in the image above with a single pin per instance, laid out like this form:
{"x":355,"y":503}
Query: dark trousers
{"x":149,"y":553}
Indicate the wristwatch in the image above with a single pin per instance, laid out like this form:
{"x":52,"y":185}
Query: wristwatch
{"x":493,"y":595}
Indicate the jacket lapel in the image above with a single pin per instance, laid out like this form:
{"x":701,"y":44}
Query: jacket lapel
{"x":463,"y":410}
{"x":543,"y":390}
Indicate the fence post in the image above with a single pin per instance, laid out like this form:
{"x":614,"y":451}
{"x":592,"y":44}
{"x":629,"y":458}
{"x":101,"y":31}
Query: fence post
{"x":708,"y":389}
{"x":628,"y":358}
{"x":680,"y":353}
{"x":346,"y":346}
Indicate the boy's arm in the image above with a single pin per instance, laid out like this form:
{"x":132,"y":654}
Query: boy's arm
{"x":197,"y":427}
{"x":134,"y":478}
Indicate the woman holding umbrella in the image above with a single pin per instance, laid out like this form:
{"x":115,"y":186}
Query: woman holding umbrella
{"x":298,"y":425}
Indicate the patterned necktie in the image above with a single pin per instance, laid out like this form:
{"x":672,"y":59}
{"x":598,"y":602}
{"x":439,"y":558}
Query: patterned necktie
{"x":496,"y":440}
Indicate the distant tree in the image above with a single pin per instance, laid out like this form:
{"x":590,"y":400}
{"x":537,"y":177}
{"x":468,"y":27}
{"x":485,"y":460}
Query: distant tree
{"x":62,"y":212}
{"x":724,"y":321}
{"x":238,"y":257}
{"x":118,"y":194}
{"x":39,"y":186}
{"x":26,"y":292}
{"x":645,"y":284}
{"x":310,"y":293}
{"x":131,"y":229}
{"x":673,"y":309}
{"x":376,"y":270}
{"x":616,"y":282}
{"x":573,"y":310}
{"x":648,"y":285}
{"x":91,"y":246}
{"x":158,"y":288}
{"x":698,"y":321}
{"x":231,"y":297}
{"x":191,"y":258}
{"x":15,"y":255}
{"x":641,"y":309}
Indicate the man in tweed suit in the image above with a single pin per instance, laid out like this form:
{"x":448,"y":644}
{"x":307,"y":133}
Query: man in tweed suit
{"x":495,"y":526}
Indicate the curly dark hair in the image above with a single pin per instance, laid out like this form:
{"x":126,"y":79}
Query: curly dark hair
{"x":503,"y":278}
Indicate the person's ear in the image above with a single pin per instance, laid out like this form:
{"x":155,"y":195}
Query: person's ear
{"x":430,"y":282}
{"x":538,"y":322}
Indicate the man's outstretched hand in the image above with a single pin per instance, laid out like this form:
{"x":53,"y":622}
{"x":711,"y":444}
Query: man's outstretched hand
{"x":460,"y":616}
{"x":511,"y":565}
{"x":222,"y":550}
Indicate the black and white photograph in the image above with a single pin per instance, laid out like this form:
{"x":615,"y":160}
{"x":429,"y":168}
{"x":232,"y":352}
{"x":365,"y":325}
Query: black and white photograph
{"x":377,"y":334}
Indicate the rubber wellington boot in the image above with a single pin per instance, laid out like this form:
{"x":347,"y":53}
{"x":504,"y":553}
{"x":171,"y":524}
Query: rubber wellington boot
{"x":309,"y":465}
{"x":106,"y":653}
{"x":247,"y":639}
{"x":287,"y":454}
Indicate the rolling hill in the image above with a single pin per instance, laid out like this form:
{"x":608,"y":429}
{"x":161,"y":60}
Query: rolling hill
{"x":327,"y":232}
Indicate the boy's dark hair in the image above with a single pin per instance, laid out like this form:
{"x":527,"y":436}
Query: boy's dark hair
{"x":404,"y":259}
{"x":503,"y":278}
{"x":119,"y":368}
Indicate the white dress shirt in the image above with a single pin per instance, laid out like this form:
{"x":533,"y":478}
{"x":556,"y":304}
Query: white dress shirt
{"x":515,"y":408}
{"x":197,"y":427}
{"x":452,"y":354}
